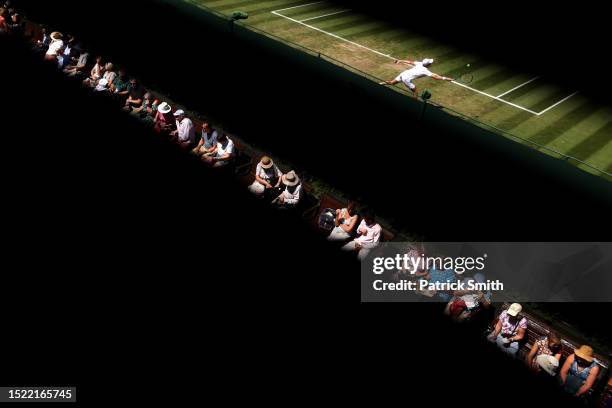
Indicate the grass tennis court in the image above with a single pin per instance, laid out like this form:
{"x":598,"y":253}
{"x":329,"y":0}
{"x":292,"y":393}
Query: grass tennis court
{"x":561,"y":121}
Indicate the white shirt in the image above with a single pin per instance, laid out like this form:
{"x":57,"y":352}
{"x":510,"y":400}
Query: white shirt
{"x":268,"y":174}
{"x":186,"y":131}
{"x":292,"y":198}
{"x":418,"y":71}
{"x":110,"y":76}
{"x":54,"y":47}
{"x":371,"y":237}
{"x":229,"y":148}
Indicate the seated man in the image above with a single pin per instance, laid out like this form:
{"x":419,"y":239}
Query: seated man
{"x":78,"y":67}
{"x":42,"y":43}
{"x":509,"y":330}
{"x":147,"y":108}
{"x":185,"y":131}
{"x":208,"y":142}
{"x":292,"y":193}
{"x":268,"y":178}
{"x":368,"y":236}
{"x":135,"y":92}
{"x":223,"y":154}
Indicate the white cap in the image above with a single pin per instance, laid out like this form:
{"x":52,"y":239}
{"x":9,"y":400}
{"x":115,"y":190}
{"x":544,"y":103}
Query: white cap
{"x":179,"y":112}
{"x":515,"y":309}
{"x":427,"y":61}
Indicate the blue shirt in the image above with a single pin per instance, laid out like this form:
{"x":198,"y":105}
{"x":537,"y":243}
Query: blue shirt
{"x":447,"y":275}
{"x":209,"y":140}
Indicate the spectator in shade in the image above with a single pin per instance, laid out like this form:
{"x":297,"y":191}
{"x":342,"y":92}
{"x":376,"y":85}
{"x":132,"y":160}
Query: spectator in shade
{"x":164,"y":121}
{"x":268,"y":179}
{"x":135,"y":92}
{"x":368,"y":236}
{"x":4,"y":20}
{"x":42,"y":43}
{"x":109,"y":75}
{"x":185,"y":131}
{"x":207,"y":145}
{"x":224,"y":153}
{"x":69,"y":50}
{"x":79,"y":66}
{"x":17,"y":25}
{"x":55,"y":47}
{"x":292,"y":193}
{"x":96,"y":73}
{"x":345,"y":222}
{"x":543,"y":349}
{"x":510,"y":329}
{"x":579,"y":372}
{"x":147,"y":108}
{"x":119,"y":86}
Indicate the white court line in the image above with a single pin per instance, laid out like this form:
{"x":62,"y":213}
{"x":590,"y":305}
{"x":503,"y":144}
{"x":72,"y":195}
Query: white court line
{"x":333,"y":35}
{"x":324,"y":15}
{"x":497,"y":98}
{"x":275,"y":12}
{"x":517,"y":87}
{"x":552,"y":106}
{"x":294,"y":7}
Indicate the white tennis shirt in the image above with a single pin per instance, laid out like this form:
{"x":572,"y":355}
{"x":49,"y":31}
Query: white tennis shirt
{"x":418,"y":71}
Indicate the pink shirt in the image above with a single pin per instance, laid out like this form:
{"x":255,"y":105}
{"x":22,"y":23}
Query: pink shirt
{"x":371,"y":236}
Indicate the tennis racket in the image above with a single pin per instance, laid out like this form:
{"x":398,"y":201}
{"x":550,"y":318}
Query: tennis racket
{"x":465,"y":78}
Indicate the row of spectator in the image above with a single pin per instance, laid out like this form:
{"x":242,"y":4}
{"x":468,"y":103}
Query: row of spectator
{"x":214,"y":147}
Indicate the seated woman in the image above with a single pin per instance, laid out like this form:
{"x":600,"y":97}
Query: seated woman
{"x":95,"y":73}
{"x":107,"y":78}
{"x":547,"y":346}
{"x":467,"y":303}
{"x":268,"y":178}
{"x":345,"y":222}
{"x":509,"y":330}
{"x":368,"y":236}
{"x":579,"y":371}
{"x":290,"y":197}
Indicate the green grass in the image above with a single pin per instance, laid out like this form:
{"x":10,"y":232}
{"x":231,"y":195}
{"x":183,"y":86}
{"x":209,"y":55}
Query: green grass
{"x":576,"y":127}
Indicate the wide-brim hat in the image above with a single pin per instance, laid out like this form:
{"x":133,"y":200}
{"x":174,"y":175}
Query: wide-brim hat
{"x":291,"y":179}
{"x":56,"y":35}
{"x":164,"y":108}
{"x":266,"y":162}
{"x":585,"y":352}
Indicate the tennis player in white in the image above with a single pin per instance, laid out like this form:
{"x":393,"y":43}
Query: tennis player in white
{"x":418,"y":70}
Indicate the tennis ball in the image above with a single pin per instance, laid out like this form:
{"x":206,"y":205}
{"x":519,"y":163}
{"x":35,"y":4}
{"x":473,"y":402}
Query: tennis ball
{"x":467,"y":65}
